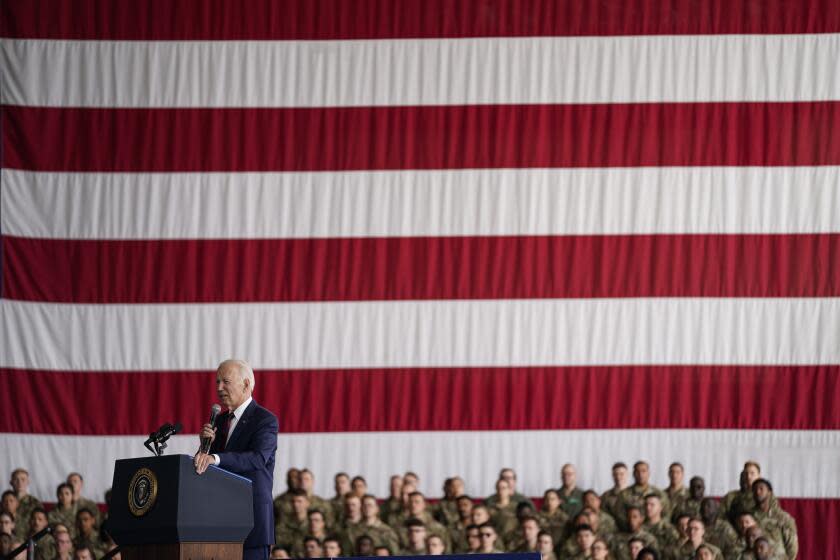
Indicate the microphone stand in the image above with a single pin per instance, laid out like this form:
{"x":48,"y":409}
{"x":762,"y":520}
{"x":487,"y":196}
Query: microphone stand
{"x":29,"y":545}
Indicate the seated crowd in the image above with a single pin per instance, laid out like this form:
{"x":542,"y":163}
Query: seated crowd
{"x":628,"y":521}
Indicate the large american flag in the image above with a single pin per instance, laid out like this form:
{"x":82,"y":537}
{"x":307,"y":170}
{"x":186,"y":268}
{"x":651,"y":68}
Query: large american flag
{"x":450,"y":236}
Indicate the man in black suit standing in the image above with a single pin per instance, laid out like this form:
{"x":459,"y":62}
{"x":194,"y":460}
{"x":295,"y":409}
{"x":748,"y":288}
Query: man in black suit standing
{"x":244,"y":441}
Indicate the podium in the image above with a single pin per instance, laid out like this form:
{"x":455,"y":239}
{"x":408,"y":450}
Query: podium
{"x":162,"y":510}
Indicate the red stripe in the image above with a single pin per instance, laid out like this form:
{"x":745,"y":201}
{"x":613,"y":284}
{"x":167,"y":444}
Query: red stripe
{"x":425,"y":137}
{"x":411,"y":268}
{"x":690,"y":397}
{"x":379,"y":19}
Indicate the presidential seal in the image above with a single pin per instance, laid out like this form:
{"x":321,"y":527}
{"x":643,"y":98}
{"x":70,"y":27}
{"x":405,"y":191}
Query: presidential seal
{"x":142,"y":492}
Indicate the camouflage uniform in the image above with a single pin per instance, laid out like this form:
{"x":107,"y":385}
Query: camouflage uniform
{"x":572,"y":502}
{"x":635,"y":496}
{"x":446,"y":512}
{"x":516,"y":498}
{"x":389,"y":507}
{"x":735,"y":503}
{"x":381,"y":534}
{"x":687,"y":551}
{"x":611,"y":503}
{"x":779,"y":526}
{"x":722,"y":535}
{"x":432,"y":528}
{"x":290,"y":531}
{"x":666,"y":535}
{"x":621,"y":546}
{"x":27,"y":505}
{"x":555,"y":523}
{"x":677,"y":498}
{"x":94,"y":542}
{"x":64,"y":517}
{"x":688,"y":506}
{"x":83,"y":503}
{"x":606,"y":523}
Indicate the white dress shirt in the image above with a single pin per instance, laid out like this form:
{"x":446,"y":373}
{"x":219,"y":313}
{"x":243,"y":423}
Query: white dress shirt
{"x":237,"y":414}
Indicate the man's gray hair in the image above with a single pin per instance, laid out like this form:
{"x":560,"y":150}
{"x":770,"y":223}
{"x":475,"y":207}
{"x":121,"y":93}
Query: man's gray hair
{"x":244,"y":368}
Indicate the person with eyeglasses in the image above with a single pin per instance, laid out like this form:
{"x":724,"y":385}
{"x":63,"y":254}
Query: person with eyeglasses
{"x":488,"y":536}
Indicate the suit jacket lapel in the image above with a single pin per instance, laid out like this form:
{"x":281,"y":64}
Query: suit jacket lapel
{"x":241,"y":427}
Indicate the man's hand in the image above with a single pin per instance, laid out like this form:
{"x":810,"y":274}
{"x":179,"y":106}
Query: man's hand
{"x":208,"y":431}
{"x":202,"y":461}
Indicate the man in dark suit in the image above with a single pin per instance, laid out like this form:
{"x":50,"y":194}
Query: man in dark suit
{"x":244,"y":441}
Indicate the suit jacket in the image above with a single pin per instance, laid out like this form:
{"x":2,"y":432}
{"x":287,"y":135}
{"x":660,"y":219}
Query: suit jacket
{"x":250,"y":453}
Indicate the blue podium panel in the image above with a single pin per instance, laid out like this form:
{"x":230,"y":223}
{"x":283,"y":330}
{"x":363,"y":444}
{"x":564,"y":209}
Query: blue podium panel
{"x":161,"y":500}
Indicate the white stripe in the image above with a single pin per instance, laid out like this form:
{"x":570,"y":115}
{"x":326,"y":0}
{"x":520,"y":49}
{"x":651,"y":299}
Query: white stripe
{"x":421,"y":203}
{"x":798,"y":463}
{"x":421,"y":333}
{"x":421,"y":71}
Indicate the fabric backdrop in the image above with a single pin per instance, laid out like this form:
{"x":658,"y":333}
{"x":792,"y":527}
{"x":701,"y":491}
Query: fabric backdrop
{"x":450,"y":236}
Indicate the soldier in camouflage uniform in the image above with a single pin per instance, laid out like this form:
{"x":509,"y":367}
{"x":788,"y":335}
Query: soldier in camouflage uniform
{"x":691,"y":505}
{"x":415,"y":534}
{"x":307,"y":484}
{"x":545,"y":546}
{"x":635,"y":494}
{"x":341,"y":484}
{"x":611,"y":499}
{"x":509,"y":476}
{"x":397,"y":517}
{"x":527,"y":538}
{"x":584,"y":539}
{"x":552,"y":517}
{"x":458,"y":531}
{"x":283,"y":502}
{"x":45,"y":547}
{"x":696,"y":538}
{"x":677,"y":492}
{"x":394,"y":502}
{"x":718,"y":531}
{"x":606,"y":523}
{"x":667,"y":537}
{"x":736,"y":502}
{"x":417,"y":510}
{"x":86,"y":533}
{"x":11,"y":506}
{"x":65,"y":509}
{"x":746,"y":546}
{"x":446,"y":510}
{"x":777,"y":523}
{"x":292,"y":528}
{"x":635,"y":521}
{"x":27,"y":503}
{"x":570,"y":493}
{"x":351,"y":526}
{"x":76,"y":480}
{"x":374,"y":527}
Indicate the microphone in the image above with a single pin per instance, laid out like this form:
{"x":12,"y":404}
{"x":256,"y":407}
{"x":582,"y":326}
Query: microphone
{"x":205,"y":442}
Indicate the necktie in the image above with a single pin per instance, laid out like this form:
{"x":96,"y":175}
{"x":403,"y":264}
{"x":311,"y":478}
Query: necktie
{"x":224,"y":428}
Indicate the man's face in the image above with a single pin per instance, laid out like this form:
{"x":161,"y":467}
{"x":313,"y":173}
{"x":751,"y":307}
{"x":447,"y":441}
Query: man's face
{"x":364,"y":547}
{"x":545,"y":544}
{"x":697,"y":488}
{"x":82,"y":555}
{"x":641,"y":473}
{"x":359,"y":487}
{"x":752,"y":534}
{"x":38,"y":521}
{"x":7,"y":525}
{"x":599,"y":549}
{"x":63,"y":542}
{"x":753,"y":474}
{"x":592,"y":519}
{"x":763,"y":549}
{"x":569,"y":476}
{"x":530,"y":530}
{"x":761,"y":492}
{"x":300,"y":504}
{"x":592,"y":501}
{"x":745,"y":522}
{"x":316,"y":523}
{"x":417,"y":537}
{"x":708,"y":509}
{"x":675,"y":475}
{"x":312,"y":549}
{"x":458,"y":486}
{"x":503,"y":488}
{"x":231,"y":388}
{"x":474,"y":539}
{"x":635,"y":548}
{"x":10,"y":503}
{"x":634,"y":519}
{"x":396,"y":486}
{"x":75,"y":481}
{"x":331,"y":549}
{"x":696,"y":530}
{"x":584,"y":540}
{"x":85,"y":522}
{"x":341,"y":484}
{"x":279,"y":554}
{"x":509,"y":476}
{"x":653,"y":508}
{"x":410,"y":478}
{"x":20,"y":483}
{"x":619,"y":476}
{"x":293,"y":478}
{"x":682,"y":525}
{"x":307,"y":481}
{"x":465,"y":506}
{"x":353,"y":507}
{"x":416,"y":504}
{"x":370,"y":509}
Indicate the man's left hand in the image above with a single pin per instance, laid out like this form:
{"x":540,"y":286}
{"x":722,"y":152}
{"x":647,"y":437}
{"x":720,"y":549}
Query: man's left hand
{"x":202,"y":461}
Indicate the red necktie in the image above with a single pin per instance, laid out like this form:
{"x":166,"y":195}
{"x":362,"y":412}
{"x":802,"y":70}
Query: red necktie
{"x":224,"y":428}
